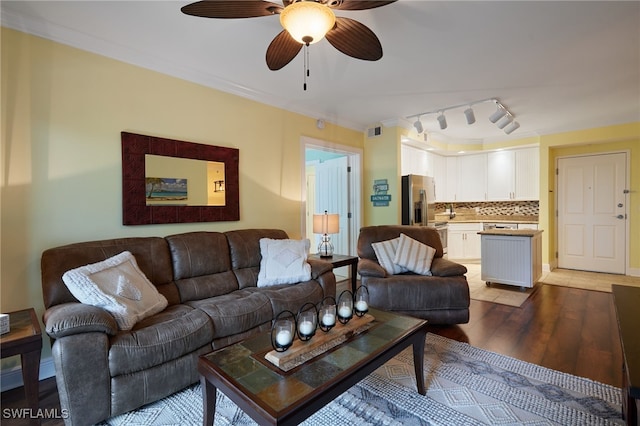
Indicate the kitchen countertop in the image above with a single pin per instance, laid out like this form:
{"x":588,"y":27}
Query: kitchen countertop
{"x":511,"y":232}
{"x":471,"y":218}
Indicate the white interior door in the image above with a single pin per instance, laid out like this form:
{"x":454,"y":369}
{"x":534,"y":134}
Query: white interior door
{"x":592,"y":207}
{"x":332,"y":195}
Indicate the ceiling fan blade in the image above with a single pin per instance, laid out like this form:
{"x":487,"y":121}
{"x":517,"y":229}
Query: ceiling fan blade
{"x":282,"y":50}
{"x":355,"y":39}
{"x":357,"y":4}
{"x":231,"y":8}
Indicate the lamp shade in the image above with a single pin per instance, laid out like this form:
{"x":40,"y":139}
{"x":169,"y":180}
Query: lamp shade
{"x":307,"y":21}
{"x":326,"y":223}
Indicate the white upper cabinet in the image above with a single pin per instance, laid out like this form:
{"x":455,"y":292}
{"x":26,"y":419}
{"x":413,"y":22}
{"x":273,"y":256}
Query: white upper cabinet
{"x":414,"y":161}
{"x":511,"y":174}
{"x":451,"y":179}
{"x":500,"y":175}
{"x":472,"y":178}
{"x":527,"y":174}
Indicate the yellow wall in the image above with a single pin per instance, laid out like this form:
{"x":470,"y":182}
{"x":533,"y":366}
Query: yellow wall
{"x":382,"y":161}
{"x":62,"y":113}
{"x":600,"y":140}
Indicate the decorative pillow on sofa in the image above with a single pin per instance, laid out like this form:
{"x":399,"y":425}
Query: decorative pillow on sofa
{"x":414,"y":255}
{"x":117,"y":285}
{"x":283,"y":262}
{"x":386,"y":252}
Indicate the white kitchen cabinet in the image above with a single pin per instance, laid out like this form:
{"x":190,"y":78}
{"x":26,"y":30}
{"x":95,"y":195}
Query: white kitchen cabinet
{"x":527,"y":174}
{"x":500,"y":175}
{"x":472,"y":178}
{"x":440,"y":176}
{"x":451,"y":179}
{"x":463,"y":241}
{"x":415,"y":161}
{"x":513,"y":175}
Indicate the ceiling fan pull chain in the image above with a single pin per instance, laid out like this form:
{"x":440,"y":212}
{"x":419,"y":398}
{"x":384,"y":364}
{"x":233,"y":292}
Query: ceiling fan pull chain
{"x":306,"y":65}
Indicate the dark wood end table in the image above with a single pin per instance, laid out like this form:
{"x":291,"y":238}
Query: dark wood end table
{"x":626,"y":300}
{"x":339,"y":260}
{"x":272,"y":397}
{"x":25,"y":339}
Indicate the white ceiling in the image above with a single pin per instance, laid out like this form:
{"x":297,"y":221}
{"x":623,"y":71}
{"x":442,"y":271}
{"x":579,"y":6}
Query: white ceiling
{"x":557,"y":66}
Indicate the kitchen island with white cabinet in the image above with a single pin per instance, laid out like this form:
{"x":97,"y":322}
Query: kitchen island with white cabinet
{"x":511,"y":256}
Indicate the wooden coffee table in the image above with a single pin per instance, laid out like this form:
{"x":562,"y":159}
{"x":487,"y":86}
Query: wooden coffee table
{"x":270,"y":396}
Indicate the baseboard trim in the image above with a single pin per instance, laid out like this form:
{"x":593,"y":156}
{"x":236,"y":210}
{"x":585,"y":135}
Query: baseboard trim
{"x":634,"y":272}
{"x":12,"y":378}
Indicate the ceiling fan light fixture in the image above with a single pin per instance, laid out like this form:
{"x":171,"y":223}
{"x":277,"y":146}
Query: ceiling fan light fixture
{"x":307,"y":21}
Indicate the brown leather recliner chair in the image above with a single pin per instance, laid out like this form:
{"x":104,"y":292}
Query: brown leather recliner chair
{"x":442,"y":298}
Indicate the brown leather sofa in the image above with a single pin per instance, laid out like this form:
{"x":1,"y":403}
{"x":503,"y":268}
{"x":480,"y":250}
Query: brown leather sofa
{"x":442,"y":298}
{"x":209,"y":280}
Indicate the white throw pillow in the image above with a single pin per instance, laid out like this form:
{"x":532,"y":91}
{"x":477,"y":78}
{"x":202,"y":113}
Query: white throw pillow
{"x":386,"y":252}
{"x":283,"y":262}
{"x":117,"y":285}
{"x":414,"y":255}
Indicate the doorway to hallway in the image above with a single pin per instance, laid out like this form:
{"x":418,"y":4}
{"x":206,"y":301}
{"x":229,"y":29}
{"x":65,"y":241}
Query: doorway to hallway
{"x":332,"y":182}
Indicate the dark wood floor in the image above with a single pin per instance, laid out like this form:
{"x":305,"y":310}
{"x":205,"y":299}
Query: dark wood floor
{"x":569,"y":330}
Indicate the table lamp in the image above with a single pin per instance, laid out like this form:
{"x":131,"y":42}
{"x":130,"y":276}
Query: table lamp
{"x":326,"y":224}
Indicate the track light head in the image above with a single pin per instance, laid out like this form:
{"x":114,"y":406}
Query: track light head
{"x":418,"y":125}
{"x":442,"y":121}
{"x":500,"y":112}
{"x":508,"y":118}
{"x":471,"y":118}
{"x":511,"y":127}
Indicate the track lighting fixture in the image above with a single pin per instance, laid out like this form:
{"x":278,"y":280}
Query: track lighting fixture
{"x":501,"y":117}
{"x":500,"y":112}
{"x":511,"y":127}
{"x":418,"y":125}
{"x":471,"y":118}
{"x":506,"y":119}
{"x":442,"y":120}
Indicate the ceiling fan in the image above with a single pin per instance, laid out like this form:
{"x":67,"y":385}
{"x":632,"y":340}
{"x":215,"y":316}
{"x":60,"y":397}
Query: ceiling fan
{"x":305,"y":22}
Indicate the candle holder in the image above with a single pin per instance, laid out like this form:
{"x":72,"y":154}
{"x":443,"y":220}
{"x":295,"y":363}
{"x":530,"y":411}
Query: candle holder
{"x":361,"y":301}
{"x":307,"y":321}
{"x":283,"y":331}
{"x":327,"y":314}
{"x":345,"y":306}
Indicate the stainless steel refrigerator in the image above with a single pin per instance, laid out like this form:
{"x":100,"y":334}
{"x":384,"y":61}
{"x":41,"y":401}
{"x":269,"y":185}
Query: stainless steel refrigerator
{"x":418,"y":198}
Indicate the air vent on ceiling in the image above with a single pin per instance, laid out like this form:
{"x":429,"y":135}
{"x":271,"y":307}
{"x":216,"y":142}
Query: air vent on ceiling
{"x":374,"y":131}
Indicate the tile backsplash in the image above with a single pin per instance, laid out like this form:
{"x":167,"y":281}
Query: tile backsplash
{"x":496,"y":208}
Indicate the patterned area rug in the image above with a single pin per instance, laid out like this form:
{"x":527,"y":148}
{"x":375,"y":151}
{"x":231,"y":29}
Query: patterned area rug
{"x":466,"y":386}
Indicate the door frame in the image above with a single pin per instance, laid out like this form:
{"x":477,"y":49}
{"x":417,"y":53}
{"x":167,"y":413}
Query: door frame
{"x":627,"y":184}
{"x":355,"y":186}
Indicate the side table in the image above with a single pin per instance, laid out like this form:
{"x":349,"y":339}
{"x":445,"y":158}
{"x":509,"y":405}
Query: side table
{"x":339,"y":260}
{"x":25,"y":339}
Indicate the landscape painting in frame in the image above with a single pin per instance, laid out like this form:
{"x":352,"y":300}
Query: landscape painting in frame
{"x":166,"y":190}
